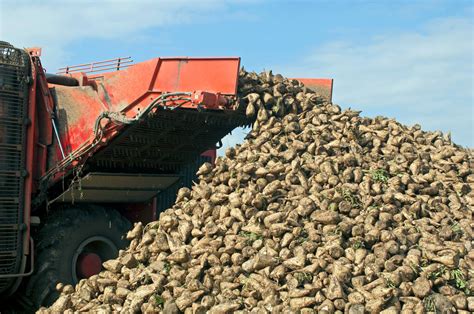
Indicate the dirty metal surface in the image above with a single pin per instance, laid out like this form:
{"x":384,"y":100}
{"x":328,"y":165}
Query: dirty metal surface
{"x":116,"y":187}
{"x":166,"y":141}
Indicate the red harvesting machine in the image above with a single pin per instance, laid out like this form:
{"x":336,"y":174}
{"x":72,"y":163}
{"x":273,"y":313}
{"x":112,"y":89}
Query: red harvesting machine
{"x":85,"y":152}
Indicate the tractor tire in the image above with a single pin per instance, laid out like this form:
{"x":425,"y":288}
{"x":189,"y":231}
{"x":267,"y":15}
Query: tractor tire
{"x":57,"y":243}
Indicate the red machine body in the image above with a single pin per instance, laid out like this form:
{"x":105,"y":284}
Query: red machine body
{"x":203,"y":83}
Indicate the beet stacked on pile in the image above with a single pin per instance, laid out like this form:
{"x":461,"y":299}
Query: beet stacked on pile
{"x":318,"y":210}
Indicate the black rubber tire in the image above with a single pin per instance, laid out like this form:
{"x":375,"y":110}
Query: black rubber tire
{"x":57,"y":240}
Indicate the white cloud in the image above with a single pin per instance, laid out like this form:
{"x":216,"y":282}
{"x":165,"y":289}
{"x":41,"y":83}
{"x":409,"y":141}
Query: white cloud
{"x":423,"y":76}
{"x":55,"y":24}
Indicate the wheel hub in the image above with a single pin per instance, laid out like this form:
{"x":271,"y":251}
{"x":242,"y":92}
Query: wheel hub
{"x":88,"y":264}
{"x":90,"y":255}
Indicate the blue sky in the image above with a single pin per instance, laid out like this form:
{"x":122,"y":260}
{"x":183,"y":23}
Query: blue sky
{"x":411,"y":60}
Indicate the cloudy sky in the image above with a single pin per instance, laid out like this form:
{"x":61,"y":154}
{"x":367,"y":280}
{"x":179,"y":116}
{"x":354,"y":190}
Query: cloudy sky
{"x":411,"y":60}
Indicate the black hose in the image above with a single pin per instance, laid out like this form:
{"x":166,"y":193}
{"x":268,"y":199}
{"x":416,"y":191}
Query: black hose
{"x":61,"y":80}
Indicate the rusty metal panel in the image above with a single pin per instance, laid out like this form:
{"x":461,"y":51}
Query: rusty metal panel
{"x":77,"y":109}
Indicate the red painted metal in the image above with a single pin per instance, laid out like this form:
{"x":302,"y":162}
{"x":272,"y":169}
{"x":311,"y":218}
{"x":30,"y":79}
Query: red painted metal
{"x":321,"y":86}
{"x":39,"y":134}
{"x":30,"y":159}
{"x":212,"y":100}
{"x":81,"y":106}
{"x":135,"y":87}
{"x":88,"y":264}
{"x":209,"y":83}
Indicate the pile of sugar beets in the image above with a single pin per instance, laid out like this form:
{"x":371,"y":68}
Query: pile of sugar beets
{"x":319,"y":210}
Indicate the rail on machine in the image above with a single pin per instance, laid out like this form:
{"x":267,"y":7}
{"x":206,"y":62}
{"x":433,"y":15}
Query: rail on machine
{"x":98,"y":66}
